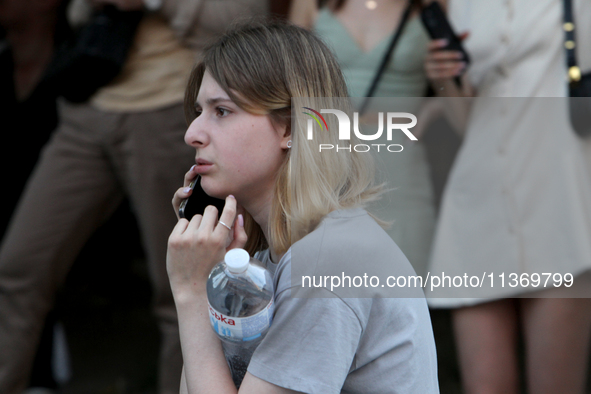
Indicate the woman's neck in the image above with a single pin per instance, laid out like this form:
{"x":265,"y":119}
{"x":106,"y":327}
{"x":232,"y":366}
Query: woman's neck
{"x":260,"y":210}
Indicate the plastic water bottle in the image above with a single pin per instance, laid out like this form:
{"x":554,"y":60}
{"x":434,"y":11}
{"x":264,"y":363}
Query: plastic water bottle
{"x":240,"y":296}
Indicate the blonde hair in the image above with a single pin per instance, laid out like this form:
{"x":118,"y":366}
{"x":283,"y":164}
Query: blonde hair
{"x":261,"y":66}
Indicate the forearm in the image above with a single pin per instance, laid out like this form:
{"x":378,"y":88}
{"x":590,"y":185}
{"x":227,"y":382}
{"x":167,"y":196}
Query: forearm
{"x":205,"y":367}
{"x":194,"y":247}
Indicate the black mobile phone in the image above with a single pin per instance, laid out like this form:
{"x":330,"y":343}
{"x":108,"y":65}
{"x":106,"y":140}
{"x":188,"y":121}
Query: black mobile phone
{"x":438,"y":27}
{"x":197,"y":201}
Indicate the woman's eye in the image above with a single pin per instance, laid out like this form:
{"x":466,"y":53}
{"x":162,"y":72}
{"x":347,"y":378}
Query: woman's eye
{"x":197,"y":112}
{"x":221,"y":112}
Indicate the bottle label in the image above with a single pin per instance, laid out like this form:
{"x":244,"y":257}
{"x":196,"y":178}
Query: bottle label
{"x":241,"y":328}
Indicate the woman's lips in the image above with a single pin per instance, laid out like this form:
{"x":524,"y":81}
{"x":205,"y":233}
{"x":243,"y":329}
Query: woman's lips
{"x":203,"y":166}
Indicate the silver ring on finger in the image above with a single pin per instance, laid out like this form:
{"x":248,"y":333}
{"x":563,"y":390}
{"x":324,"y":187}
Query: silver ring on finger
{"x":225,"y":225}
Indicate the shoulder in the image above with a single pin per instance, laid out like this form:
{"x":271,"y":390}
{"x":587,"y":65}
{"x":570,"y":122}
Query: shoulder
{"x":343,"y":232}
{"x":350,"y":255}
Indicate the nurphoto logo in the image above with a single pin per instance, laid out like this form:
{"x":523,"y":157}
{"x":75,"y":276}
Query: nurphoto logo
{"x":345,"y":130}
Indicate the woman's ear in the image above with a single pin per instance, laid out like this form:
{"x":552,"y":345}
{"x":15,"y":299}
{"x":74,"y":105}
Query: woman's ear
{"x":286,"y":139}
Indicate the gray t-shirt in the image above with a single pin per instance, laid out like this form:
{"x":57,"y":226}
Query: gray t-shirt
{"x":346,"y":345}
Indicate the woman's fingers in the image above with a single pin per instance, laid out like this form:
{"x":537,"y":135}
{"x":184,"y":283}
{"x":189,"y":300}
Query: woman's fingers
{"x":195,"y":223}
{"x":239,"y":234}
{"x":445,"y":55}
{"x":444,"y":70}
{"x":437,"y":44}
{"x":227,"y":218}
{"x":208,"y":221}
{"x":195,"y":246}
{"x":463,"y":35}
{"x":185,"y":191}
{"x":190,"y":176}
{"x":181,"y":194}
{"x":179,"y":228}
{"x":441,"y":43}
{"x":443,"y":64}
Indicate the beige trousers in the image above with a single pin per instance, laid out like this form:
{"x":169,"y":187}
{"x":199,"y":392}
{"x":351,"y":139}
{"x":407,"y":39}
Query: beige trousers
{"x":92,"y":161}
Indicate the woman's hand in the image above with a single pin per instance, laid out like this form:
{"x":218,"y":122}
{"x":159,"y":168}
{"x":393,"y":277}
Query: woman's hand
{"x":196,"y":246}
{"x":443,"y":66}
{"x":185,"y":191}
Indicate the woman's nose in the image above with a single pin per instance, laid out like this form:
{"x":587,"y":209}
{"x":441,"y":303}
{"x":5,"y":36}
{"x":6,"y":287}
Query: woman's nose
{"x":196,"y":135}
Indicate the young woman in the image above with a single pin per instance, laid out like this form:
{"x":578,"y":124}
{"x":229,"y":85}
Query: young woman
{"x":282,"y":197}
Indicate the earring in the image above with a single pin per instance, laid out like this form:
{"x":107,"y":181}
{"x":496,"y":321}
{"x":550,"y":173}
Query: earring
{"x":289,"y":144}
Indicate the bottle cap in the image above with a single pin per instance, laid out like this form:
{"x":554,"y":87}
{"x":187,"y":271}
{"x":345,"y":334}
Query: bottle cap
{"x":237,"y":260}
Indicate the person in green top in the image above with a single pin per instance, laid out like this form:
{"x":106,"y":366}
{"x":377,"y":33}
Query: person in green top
{"x":358,"y":32}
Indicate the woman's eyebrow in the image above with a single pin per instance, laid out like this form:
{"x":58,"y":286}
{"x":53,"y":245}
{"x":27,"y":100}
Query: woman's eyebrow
{"x":215,"y":100}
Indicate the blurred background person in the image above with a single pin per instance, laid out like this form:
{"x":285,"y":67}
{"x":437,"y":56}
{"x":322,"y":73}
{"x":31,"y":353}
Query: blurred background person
{"x":126,"y":140}
{"x":29,"y":33}
{"x":360,"y":32}
{"x":517,"y":200}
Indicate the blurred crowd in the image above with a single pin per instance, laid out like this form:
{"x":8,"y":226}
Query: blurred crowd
{"x":91,"y":93}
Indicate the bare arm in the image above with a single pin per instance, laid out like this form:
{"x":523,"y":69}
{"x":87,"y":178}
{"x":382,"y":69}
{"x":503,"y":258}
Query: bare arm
{"x":194,"y":247}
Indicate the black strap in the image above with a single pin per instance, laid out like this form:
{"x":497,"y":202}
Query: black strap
{"x":386,"y":58}
{"x":574,"y":72}
{"x":571,"y":58}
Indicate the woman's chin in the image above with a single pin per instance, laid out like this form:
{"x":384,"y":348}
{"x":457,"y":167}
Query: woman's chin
{"x":213,"y":191}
